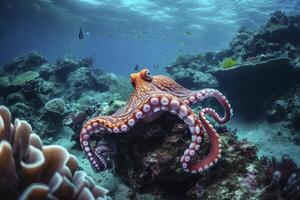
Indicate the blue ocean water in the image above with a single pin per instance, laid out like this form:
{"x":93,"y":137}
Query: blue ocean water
{"x":222,"y":123}
{"x":129,"y":32}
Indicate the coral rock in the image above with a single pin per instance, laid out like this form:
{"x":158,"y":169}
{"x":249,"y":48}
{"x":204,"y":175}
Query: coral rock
{"x":255,"y":80}
{"x":147,"y":160}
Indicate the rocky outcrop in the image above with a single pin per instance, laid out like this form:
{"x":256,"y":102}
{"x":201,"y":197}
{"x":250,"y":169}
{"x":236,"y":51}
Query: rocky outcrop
{"x":251,"y":85}
{"x":148,"y":157}
{"x":30,"y":61}
{"x":83,"y":79}
{"x":148,"y":161}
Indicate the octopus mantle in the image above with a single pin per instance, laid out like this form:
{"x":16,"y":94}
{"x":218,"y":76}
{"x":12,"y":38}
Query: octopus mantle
{"x":152,"y":95}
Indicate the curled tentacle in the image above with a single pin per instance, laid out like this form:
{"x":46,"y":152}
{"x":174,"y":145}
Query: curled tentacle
{"x":215,"y":146}
{"x":169,"y":86}
{"x":102,"y":152}
{"x":85,"y":141}
{"x":98,"y":155}
{"x":199,"y":96}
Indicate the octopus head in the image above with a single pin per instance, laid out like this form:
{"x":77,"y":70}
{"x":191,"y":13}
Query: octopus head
{"x":141,"y":77}
{"x":143,"y":81}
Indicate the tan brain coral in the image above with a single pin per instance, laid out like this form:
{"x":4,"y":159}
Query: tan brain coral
{"x":29,"y":170}
{"x":56,"y":106}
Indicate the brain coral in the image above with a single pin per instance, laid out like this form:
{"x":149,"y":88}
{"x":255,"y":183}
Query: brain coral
{"x":56,"y":106}
{"x":29,"y":170}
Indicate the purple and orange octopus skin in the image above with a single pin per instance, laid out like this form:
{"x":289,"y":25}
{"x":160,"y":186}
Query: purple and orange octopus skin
{"x":152,"y":95}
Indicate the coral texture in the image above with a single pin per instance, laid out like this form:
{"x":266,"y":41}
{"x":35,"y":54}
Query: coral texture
{"x":56,"y":106}
{"x":29,"y":170}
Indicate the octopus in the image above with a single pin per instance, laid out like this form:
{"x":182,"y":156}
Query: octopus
{"x":153,"y":95}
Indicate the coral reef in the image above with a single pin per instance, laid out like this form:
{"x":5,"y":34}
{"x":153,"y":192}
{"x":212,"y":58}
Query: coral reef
{"x":30,"y":170}
{"x":282,"y":179}
{"x":30,"y":82}
{"x":56,"y":106}
{"x":23,"y":63}
{"x":262,"y":86}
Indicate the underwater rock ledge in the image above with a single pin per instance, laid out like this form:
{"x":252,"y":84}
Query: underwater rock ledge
{"x":250,"y":84}
{"x":148,"y":158}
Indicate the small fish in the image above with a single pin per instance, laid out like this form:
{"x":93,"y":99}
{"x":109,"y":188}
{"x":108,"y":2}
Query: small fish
{"x":155,"y":67}
{"x":136,"y":68}
{"x":83,"y":34}
{"x":188,"y":33}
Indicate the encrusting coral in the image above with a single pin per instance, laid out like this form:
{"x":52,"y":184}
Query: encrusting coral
{"x":29,"y":170}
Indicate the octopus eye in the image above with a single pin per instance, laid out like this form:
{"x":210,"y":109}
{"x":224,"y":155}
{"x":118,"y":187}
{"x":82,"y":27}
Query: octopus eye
{"x":148,"y":75}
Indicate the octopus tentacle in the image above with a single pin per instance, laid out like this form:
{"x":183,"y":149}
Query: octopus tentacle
{"x":98,"y":162}
{"x":195,"y":97}
{"x":215,"y":146}
{"x":178,"y":107}
{"x":154,"y":103}
{"x":102,"y":125}
{"x":100,"y":152}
